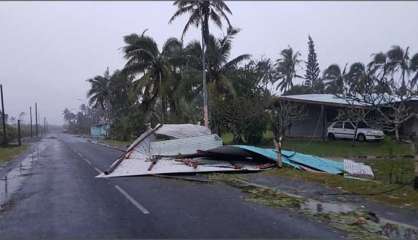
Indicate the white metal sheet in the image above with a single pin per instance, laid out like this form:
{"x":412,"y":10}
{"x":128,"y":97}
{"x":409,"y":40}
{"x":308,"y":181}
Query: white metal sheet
{"x":185,"y":145}
{"x":183,"y":130}
{"x":139,"y":167}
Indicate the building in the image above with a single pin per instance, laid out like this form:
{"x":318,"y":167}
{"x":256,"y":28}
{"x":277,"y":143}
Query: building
{"x":321,"y":111}
{"x":100,"y":131}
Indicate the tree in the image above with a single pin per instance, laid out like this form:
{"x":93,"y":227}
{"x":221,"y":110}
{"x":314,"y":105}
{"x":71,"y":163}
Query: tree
{"x":312,"y":78}
{"x":286,"y":69}
{"x":99,"y":93}
{"x":219,"y":64}
{"x":282,"y":115}
{"x":153,"y":67}
{"x":387,"y":85}
{"x":333,"y":78}
{"x":200,"y":13}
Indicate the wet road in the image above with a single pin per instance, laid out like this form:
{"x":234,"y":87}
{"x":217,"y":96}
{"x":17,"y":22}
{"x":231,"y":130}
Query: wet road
{"x":61,"y":198}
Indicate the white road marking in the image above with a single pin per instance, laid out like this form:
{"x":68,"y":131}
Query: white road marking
{"x":89,"y":163}
{"x":133,"y":201}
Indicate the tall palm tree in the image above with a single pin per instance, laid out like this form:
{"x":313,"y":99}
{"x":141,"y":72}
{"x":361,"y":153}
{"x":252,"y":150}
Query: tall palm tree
{"x":201,"y":11}
{"x":152,"y":66}
{"x":286,"y":68}
{"x":99,"y":93}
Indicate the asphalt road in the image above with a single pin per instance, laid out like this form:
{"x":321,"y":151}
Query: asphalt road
{"x":61,"y":198}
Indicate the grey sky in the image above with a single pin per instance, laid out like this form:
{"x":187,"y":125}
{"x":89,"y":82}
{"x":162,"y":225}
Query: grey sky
{"x":49,"y":49}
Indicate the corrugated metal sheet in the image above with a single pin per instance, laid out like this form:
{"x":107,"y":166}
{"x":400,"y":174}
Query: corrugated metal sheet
{"x":185,"y":145}
{"x":183,"y":130}
{"x":357,"y":169}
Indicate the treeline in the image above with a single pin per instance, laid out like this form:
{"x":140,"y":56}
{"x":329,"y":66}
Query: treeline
{"x":163,"y":84}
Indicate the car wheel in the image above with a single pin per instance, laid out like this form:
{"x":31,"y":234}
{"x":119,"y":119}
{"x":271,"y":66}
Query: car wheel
{"x":331,"y":136}
{"x":361,"y":137}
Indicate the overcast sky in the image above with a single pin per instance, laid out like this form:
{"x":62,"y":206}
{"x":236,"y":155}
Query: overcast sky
{"x":49,"y":49}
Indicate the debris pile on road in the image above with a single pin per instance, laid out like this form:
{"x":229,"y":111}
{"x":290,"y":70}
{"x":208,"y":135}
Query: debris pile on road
{"x":188,"y":148}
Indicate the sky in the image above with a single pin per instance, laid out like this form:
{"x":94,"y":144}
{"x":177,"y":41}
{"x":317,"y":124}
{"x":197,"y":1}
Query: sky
{"x":49,"y":49}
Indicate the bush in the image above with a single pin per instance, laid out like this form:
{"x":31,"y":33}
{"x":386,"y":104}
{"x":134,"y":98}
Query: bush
{"x":127,"y":127}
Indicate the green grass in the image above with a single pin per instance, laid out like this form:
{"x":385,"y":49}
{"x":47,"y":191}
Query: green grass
{"x":10,"y":152}
{"x":336,"y":148}
{"x":342,"y":148}
{"x":393,"y":181}
{"x":116,"y":143}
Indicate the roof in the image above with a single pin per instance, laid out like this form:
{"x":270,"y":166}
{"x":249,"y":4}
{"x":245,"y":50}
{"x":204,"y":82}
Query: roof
{"x":325,"y":99}
{"x":183,"y":130}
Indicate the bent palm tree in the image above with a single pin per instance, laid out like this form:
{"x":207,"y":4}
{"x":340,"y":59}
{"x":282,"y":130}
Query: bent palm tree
{"x":99,"y":93}
{"x":286,"y":69}
{"x":201,"y":11}
{"x":334,"y":79}
{"x":154,"y":68}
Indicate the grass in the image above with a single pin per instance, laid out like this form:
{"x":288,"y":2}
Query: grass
{"x":393,"y":182}
{"x":10,"y":152}
{"x":357,"y":224}
{"x":116,"y":143}
{"x":337,"y":148}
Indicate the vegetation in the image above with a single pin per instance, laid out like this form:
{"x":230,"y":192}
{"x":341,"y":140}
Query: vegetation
{"x":10,"y":152}
{"x":392,"y":185}
{"x":342,"y":148}
{"x":163,"y":84}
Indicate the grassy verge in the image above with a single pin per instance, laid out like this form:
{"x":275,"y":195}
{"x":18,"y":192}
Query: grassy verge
{"x":358,"y":224}
{"x":116,"y":143}
{"x":337,"y":148}
{"x":10,"y":152}
{"x":392,"y":185}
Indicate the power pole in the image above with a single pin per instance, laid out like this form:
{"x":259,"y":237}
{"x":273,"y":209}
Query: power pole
{"x":19,"y":140}
{"x":30,"y":113}
{"x":3,"y":116}
{"x":36,"y":119}
{"x":44,"y":125}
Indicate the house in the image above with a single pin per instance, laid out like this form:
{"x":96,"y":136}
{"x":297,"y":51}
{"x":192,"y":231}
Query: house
{"x":99,"y":131}
{"x":321,"y":111}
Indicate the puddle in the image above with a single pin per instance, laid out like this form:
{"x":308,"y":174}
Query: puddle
{"x":12,"y":181}
{"x":315,"y":207}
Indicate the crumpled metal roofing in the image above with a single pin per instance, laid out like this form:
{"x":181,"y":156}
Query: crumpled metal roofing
{"x":183,"y":130}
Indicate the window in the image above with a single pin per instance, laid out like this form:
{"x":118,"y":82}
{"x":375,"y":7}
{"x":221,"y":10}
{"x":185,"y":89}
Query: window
{"x":348,"y":125}
{"x":338,"y":125}
{"x":362,"y":125}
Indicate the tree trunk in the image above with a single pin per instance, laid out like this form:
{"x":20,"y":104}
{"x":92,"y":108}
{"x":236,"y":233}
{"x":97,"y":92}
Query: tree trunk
{"x":278,"y":147}
{"x":205,"y":30}
{"x":355,"y":135}
{"x":397,"y":132}
{"x":416,"y":175}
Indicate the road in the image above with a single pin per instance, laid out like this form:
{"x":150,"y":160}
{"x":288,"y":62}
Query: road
{"x":61,"y":198}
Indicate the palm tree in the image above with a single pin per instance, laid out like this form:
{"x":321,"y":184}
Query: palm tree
{"x":152,"y":66}
{"x":219,"y":64}
{"x":201,"y":11}
{"x":99,"y":93}
{"x":286,"y":69}
{"x":334,"y":79}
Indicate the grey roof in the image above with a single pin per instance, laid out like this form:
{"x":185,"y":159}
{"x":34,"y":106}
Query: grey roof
{"x":322,"y":99}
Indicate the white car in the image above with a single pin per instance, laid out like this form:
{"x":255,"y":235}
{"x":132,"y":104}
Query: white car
{"x":346,"y":129}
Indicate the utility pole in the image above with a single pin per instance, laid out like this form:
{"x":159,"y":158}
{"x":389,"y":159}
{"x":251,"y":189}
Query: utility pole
{"x":19,"y":140}
{"x":3,"y":116}
{"x":44,"y":125}
{"x":30,"y":113}
{"x":36,"y":119}
{"x":205,"y":90}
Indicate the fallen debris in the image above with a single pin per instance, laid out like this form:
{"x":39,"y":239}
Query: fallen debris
{"x":187,"y":148}
{"x":357,"y":169}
